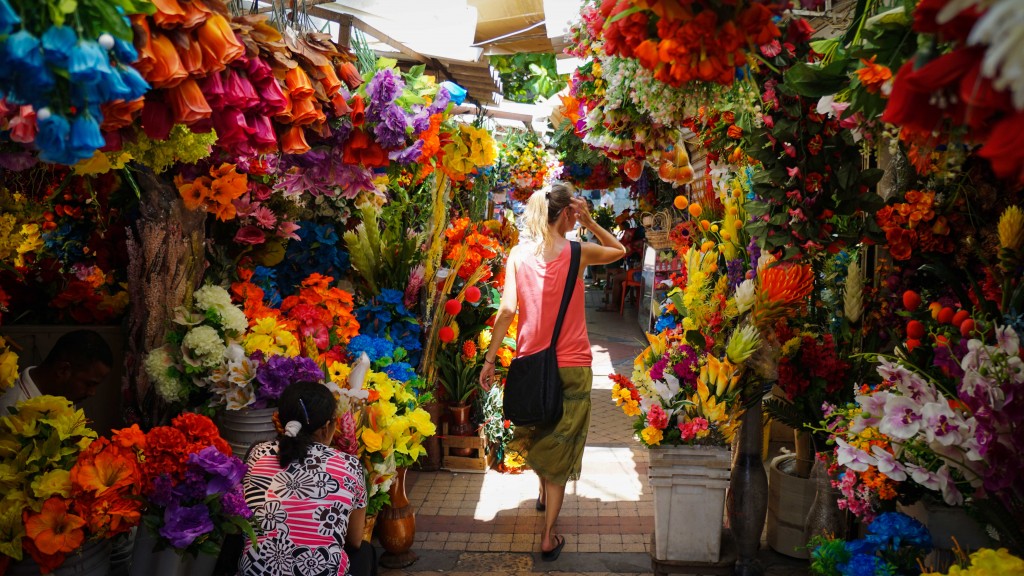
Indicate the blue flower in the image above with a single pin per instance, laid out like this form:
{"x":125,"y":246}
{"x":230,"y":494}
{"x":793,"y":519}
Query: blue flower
{"x":865,"y":565}
{"x":137,"y":85}
{"x":58,"y":42}
{"x":85,"y":136}
{"x":8,"y":18}
{"x":401,"y":371}
{"x":375,"y":348}
{"x":113,"y":87}
{"x":125,"y":51}
{"x":456,"y":92}
{"x":89,"y":63}
{"x":893,"y":529}
{"x":325,"y":234}
{"x":52,"y":138}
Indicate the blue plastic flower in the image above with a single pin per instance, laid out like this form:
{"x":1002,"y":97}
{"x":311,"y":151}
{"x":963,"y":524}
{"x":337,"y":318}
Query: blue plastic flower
{"x":8,"y":18}
{"x":58,"y":43}
{"x":866,"y":565}
{"x":137,"y":85}
{"x":390,"y":296}
{"x":89,"y":63}
{"x":893,"y":529}
{"x":52,"y":138}
{"x":113,"y":87}
{"x":401,"y":371}
{"x":86,"y":137}
{"x":455,"y":92}
{"x":125,"y":51}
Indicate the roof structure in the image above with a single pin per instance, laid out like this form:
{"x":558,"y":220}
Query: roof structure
{"x":452,"y":38}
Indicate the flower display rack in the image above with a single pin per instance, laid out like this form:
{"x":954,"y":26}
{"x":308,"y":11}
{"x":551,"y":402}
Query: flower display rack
{"x":477,"y":463}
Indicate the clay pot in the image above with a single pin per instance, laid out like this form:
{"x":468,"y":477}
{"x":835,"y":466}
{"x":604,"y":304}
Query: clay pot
{"x":396,"y":526}
{"x":459,"y":424}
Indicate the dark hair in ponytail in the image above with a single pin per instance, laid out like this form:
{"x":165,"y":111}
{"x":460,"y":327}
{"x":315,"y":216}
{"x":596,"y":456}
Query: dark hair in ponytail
{"x":310,"y":404}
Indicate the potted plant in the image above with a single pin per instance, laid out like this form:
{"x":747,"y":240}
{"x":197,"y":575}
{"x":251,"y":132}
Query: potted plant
{"x":457,"y":369}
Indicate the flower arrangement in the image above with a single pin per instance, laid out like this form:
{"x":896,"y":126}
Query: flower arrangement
{"x":915,"y":225}
{"x":193,"y":486}
{"x":695,"y":41}
{"x":216,"y":192}
{"x":895,"y":544}
{"x":207,"y":337}
{"x":8,"y":366}
{"x":499,"y":432}
{"x":69,"y":75}
{"x":322,"y":316}
{"x":61,"y":486}
{"x":392,"y":427}
{"x":471,"y":148}
{"x":386,"y":317}
{"x":524,"y":165}
{"x":457,"y":370}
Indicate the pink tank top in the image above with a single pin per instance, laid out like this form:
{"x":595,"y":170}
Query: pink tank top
{"x":540,"y":285}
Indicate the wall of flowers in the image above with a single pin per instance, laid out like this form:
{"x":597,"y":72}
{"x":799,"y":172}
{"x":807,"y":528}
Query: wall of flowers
{"x":853,"y":248}
{"x":252,"y":207}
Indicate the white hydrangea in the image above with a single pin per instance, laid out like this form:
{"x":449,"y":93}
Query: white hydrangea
{"x":203,"y":346}
{"x":212,"y":297}
{"x":157,"y":365}
{"x":233,"y":320}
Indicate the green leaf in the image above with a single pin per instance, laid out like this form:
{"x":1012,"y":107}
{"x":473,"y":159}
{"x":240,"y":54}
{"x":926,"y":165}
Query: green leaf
{"x":825,"y":46}
{"x":624,"y":14}
{"x":814,"y":81}
{"x":383,"y":63}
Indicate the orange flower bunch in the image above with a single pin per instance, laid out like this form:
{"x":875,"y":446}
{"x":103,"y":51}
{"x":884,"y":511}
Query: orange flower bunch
{"x":913,"y":224}
{"x":321,"y":315}
{"x":784,"y":288}
{"x":250,"y":297}
{"x":165,"y":449}
{"x":482,"y":245}
{"x":215,"y":192}
{"x":873,"y":76}
{"x":686,"y":40}
{"x":107,"y":483}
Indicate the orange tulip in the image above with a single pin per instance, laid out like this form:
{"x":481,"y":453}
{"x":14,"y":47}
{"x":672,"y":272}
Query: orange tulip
{"x":188,"y":103}
{"x":53,"y":530}
{"x":303,"y":111}
{"x":195,"y":13}
{"x":298,"y":83}
{"x":358,"y":111}
{"x":329,"y":80}
{"x":219,"y":43}
{"x":169,"y":13}
{"x":119,"y":114}
{"x":167,"y":70}
{"x":294,"y":141}
{"x":191,"y":55}
{"x":341,"y":107}
{"x":348,"y":73}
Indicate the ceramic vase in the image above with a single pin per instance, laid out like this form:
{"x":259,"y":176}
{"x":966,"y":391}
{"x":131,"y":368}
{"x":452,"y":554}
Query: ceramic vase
{"x":396,"y":526}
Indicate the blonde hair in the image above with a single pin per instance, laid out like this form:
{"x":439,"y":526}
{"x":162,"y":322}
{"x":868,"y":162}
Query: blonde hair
{"x":543,"y":209}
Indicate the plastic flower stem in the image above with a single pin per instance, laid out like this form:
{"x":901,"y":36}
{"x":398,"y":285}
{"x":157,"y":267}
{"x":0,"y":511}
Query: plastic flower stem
{"x":766,"y":63}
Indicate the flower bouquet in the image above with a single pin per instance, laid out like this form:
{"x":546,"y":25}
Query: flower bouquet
{"x":192,"y":487}
{"x":62,"y":487}
{"x":8,"y":366}
{"x":392,"y":427}
{"x":983,"y":562}
{"x":895,"y":544}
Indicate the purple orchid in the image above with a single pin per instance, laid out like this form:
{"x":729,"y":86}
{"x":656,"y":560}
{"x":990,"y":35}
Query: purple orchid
{"x":853,"y":458}
{"x":902,"y":418}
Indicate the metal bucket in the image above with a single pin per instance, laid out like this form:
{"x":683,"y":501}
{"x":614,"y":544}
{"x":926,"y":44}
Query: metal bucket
{"x":243,"y":428}
{"x":91,"y":559}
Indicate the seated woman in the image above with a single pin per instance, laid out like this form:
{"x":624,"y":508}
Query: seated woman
{"x":308,"y":499}
{"x":615,"y":274}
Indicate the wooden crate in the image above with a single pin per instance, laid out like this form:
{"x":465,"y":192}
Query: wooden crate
{"x":478,"y":463}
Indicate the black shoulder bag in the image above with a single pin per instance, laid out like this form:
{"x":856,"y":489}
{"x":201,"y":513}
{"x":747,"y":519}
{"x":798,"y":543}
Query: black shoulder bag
{"x":533,"y":389}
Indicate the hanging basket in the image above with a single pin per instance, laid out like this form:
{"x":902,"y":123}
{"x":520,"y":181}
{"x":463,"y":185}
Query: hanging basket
{"x":657,"y":232}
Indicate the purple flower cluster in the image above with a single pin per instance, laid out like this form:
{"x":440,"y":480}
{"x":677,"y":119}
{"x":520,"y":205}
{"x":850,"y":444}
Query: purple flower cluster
{"x":383,"y":88}
{"x":391,"y":127}
{"x":734,"y":271}
{"x":686,"y":368}
{"x":278,"y":372}
{"x":184,"y":524}
{"x":224,"y":472}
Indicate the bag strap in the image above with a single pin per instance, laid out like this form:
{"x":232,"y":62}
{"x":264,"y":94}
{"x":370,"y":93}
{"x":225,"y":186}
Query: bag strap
{"x":570,"y":283}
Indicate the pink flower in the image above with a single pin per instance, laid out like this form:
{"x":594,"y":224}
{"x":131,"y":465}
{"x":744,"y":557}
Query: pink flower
{"x":902,"y":419}
{"x":23,"y":126}
{"x":265,"y":217}
{"x":691,"y":429}
{"x":853,"y":458}
{"x":243,"y":205}
{"x":771,"y":49}
{"x":657,"y":417}
{"x":287,"y":230}
{"x":250,"y":235}
{"x":793,"y":171}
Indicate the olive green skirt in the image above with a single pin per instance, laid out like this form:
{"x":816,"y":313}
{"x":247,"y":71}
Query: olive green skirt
{"x":555,"y":452}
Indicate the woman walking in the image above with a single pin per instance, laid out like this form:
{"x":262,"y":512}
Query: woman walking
{"x":534,"y":282}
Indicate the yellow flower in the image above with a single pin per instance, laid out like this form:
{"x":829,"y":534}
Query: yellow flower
{"x":54,"y":482}
{"x":987,"y":562}
{"x":12,"y":529}
{"x":371,"y":440}
{"x":338,"y":372}
{"x":652,"y":436}
{"x":31,"y":242}
{"x":1011,"y":228}
{"x":8,"y":366}
{"x":420,"y":420}
{"x":483,"y":341}
{"x":271,"y":338}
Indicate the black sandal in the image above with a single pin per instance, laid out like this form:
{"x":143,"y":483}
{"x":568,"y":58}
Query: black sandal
{"x":552,"y":555}
{"x":540,"y":506}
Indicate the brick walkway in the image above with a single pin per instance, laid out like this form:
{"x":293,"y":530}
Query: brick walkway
{"x":487,"y":523}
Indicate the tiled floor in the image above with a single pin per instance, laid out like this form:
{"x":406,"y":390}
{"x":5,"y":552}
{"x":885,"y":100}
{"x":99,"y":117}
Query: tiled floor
{"x":487,"y":524}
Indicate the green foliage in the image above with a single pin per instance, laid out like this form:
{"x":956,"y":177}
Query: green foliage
{"x":525,"y":77}
{"x":457,"y":375}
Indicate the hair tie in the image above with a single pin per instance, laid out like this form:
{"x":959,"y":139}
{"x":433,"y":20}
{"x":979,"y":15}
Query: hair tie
{"x":547,"y":195}
{"x":292,"y":428}
{"x":304,"y":411}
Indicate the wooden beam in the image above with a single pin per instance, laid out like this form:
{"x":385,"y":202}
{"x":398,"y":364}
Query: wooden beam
{"x":334,"y":16}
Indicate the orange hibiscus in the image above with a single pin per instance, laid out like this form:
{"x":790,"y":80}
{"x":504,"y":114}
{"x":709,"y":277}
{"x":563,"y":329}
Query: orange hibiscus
{"x":54,"y":530}
{"x":104,"y":466}
{"x":196,"y":193}
{"x":873,"y":76}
